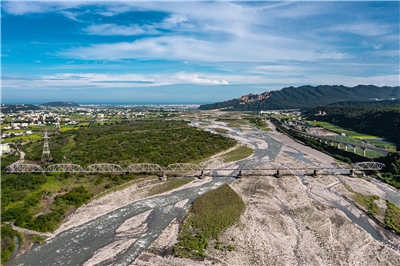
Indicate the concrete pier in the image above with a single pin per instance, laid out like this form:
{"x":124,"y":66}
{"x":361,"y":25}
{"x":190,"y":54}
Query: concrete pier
{"x":163,"y":177}
{"x":202,"y":175}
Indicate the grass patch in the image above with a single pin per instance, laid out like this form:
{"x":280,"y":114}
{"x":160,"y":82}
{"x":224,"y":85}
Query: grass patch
{"x":234,"y":123}
{"x":209,"y":215}
{"x":259,"y":123}
{"x":334,"y":128}
{"x":38,"y":239}
{"x":169,"y":185}
{"x":237,"y":154}
{"x":120,"y":187}
{"x":367,"y":202}
{"x":221,"y":130}
{"x":392,"y":216}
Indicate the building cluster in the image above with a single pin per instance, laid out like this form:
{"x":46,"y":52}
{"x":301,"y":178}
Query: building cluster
{"x":25,"y":122}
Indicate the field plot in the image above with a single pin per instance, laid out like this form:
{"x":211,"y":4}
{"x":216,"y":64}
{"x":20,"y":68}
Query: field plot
{"x":353,"y":136}
{"x":339,"y":130}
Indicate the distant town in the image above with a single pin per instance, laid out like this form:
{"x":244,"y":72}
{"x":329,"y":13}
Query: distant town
{"x":20,"y":122}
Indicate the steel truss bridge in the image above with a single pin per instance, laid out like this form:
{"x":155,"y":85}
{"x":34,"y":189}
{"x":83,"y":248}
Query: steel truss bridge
{"x":252,"y":167}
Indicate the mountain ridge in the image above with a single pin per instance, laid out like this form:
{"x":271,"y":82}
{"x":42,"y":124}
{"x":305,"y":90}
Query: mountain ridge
{"x":305,"y":97}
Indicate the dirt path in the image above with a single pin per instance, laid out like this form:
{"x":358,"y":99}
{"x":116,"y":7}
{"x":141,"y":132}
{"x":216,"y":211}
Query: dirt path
{"x":49,"y":202}
{"x":27,"y":231}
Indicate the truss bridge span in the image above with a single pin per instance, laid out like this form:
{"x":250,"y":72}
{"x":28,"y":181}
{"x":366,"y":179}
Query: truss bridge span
{"x":251,"y":167}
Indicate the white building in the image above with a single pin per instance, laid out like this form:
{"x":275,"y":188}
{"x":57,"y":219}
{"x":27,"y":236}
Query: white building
{"x":5,"y":148}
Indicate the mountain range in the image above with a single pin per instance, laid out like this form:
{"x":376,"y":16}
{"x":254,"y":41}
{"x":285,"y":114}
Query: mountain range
{"x":305,"y":97}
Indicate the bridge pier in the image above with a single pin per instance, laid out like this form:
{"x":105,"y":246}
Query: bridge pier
{"x":277,"y":173}
{"x":163,"y":177}
{"x":345,"y":147}
{"x":355,"y":149}
{"x":351,"y":172}
{"x":315,"y":173}
{"x":201,"y":175}
{"x":239,"y":175}
{"x":338,"y":146}
{"x":364,"y":152}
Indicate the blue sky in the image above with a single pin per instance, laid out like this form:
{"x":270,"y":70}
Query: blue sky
{"x":140,"y":51}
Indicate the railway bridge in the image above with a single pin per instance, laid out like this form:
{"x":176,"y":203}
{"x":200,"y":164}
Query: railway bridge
{"x":251,"y":167}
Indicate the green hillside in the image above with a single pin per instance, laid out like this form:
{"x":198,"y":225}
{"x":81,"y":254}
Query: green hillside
{"x":305,"y":97}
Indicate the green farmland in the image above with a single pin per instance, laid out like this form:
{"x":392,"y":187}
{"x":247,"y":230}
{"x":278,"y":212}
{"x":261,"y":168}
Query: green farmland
{"x":353,"y":136}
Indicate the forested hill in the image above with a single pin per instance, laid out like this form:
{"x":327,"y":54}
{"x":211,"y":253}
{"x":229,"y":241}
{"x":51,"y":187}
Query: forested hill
{"x":383,"y":121}
{"x":60,"y":104}
{"x":368,"y":103}
{"x":14,"y":108}
{"x":306,"y":97}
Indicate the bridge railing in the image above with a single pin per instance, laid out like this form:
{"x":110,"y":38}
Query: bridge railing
{"x":73,"y":168}
{"x":143,"y":167}
{"x":251,"y":166}
{"x":104,"y":168}
{"x":370,"y":166}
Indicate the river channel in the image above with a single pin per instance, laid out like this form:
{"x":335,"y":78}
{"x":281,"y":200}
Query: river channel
{"x":77,"y":245}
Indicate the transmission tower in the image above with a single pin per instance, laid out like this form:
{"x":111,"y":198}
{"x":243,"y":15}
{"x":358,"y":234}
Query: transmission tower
{"x":46,"y":156}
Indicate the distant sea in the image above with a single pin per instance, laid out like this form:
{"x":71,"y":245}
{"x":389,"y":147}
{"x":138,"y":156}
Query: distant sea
{"x":119,"y":103}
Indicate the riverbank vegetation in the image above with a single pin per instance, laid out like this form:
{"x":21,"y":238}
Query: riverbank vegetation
{"x":169,"y":185}
{"x":367,"y":203}
{"x":392,"y":216}
{"x":221,"y":130}
{"x":7,"y":242}
{"x":259,"y":123}
{"x":237,"y":154}
{"x":208,"y":216}
{"x":392,"y":170}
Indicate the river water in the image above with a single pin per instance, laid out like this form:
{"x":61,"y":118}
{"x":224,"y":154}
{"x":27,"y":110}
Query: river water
{"x":77,"y":245}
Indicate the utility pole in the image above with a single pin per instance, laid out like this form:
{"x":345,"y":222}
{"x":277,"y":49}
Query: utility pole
{"x":46,"y":156}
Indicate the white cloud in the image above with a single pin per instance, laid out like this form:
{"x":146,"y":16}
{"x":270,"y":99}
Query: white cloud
{"x":186,"y":48}
{"x":174,"y":20}
{"x":29,"y":7}
{"x":113,"y":29}
{"x":72,"y":15}
{"x":364,"y":29}
{"x":71,"y":80}
{"x":196,"y":79}
{"x":20,"y":8}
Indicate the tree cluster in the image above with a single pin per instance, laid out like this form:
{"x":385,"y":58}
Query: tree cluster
{"x":159,"y":142}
